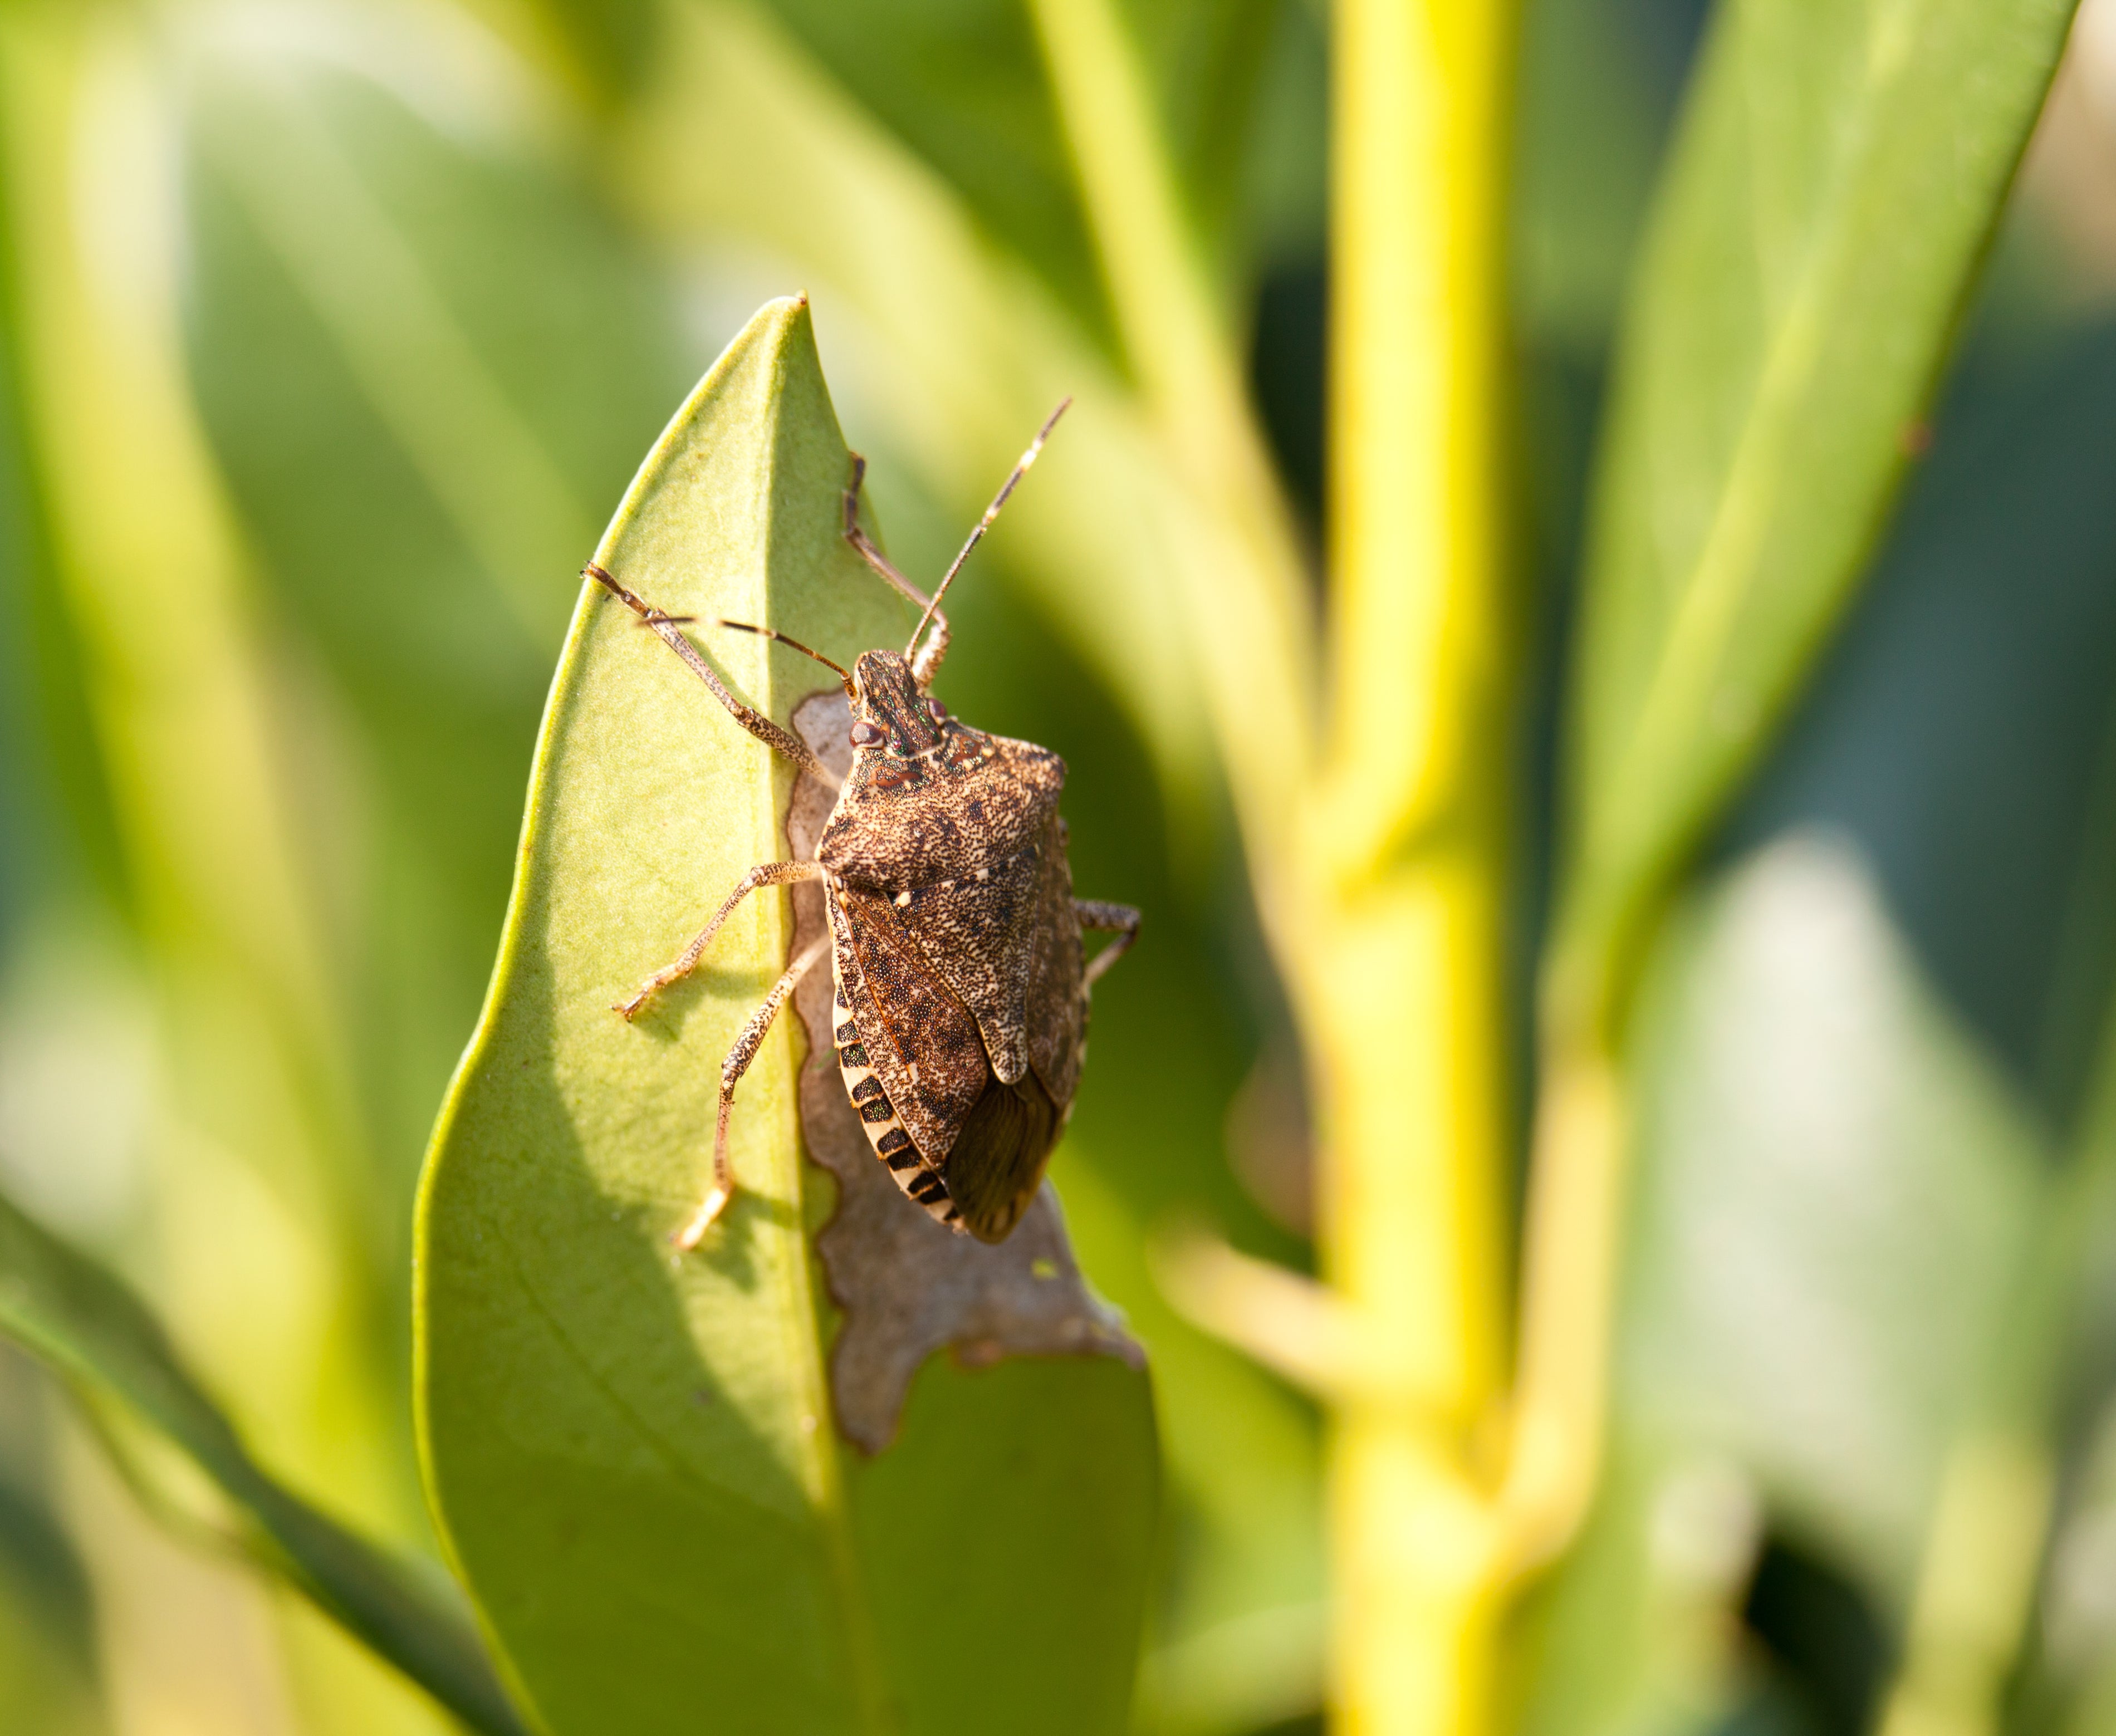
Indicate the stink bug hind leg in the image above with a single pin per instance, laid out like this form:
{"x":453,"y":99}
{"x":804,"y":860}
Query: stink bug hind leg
{"x":732,"y":1069}
{"x":1121,"y":920}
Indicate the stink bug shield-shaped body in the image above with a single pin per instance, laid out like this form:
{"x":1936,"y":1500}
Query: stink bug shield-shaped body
{"x":955,"y":937}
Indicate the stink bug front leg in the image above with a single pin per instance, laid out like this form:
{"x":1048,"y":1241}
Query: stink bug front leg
{"x":1119,"y":918}
{"x":937,"y":644}
{"x":765,"y":874}
{"x":732,"y":1069}
{"x":667,"y":629}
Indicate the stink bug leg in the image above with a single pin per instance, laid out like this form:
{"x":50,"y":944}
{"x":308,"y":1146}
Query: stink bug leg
{"x":1097,"y":916}
{"x":764,"y":874}
{"x":863,"y":545}
{"x":732,"y":1069}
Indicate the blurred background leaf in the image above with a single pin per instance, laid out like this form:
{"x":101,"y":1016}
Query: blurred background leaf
{"x":1953,"y":755}
{"x":88,"y":1330}
{"x":1837,"y":1187}
{"x":1836,"y":179}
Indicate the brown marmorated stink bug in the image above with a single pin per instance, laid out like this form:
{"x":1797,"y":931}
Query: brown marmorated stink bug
{"x":955,"y":937}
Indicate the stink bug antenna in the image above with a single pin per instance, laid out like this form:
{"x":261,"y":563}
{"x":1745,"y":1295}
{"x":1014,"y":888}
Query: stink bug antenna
{"x":795,"y":645}
{"x":984,"y":524}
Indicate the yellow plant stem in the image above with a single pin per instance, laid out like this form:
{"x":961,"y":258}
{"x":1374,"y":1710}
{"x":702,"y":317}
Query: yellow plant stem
{"x":1403,"y":1019}
{"x":1381,"y":866}
{"x":1406,"y":852}
{"x":1568,"y":1289}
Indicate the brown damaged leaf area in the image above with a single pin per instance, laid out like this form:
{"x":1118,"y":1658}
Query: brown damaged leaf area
{"x":905,"y":1285}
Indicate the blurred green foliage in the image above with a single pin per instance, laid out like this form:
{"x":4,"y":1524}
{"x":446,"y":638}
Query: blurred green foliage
{"x":430,"y":279}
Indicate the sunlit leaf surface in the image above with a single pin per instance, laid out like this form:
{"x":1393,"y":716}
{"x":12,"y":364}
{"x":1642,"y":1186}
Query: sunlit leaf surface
{"x":631,"y":1450}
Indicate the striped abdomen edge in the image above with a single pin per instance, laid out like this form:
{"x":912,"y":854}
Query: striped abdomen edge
{"x":884,"y":1132}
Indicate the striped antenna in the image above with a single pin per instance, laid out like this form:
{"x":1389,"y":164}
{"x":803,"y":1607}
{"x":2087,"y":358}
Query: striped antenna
{"x":984,"y":524}
{"x":792,"y":644}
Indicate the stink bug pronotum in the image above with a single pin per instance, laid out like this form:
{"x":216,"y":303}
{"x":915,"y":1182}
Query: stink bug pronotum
{"x":955,"y":937}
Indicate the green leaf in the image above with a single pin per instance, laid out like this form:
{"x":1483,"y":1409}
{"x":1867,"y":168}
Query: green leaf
{"x":49,"y":1656}
{"x":1837,"y":1198}
{"x":1834,"y":186}
{"x":89,"y":1327}
{"x":631,"y":1451}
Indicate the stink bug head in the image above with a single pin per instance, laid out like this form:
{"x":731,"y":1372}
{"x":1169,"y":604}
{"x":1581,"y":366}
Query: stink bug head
{"x":888,"y":710}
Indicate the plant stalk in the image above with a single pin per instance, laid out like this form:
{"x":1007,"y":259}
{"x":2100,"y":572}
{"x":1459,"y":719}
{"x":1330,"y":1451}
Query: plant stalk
{"x":1250,"y":616}
{"x":1406,"y":852}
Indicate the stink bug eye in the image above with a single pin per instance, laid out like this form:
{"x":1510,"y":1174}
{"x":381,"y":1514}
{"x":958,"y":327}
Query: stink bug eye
{"x":955,"y":940}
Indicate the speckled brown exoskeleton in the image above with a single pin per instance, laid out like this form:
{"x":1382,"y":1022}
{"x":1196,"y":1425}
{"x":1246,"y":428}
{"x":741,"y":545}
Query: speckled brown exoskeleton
{"x":955,"y":937}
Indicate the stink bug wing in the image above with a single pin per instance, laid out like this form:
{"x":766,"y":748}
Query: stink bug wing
{"x":920,"y":1039}
{"x":1057,"y":1001}
{"x":980,"y":936}
{"x":998,"y":1159}
{"x":999,"y":1156}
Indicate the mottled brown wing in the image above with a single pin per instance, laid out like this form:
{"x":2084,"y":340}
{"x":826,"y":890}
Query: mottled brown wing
{"x":920,"y":1039}
{"x":1057,"y":1008}
{"x":980,"y":936}
{"x":998,"y":1159}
